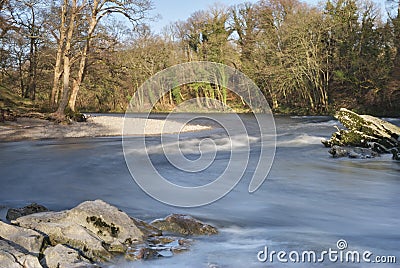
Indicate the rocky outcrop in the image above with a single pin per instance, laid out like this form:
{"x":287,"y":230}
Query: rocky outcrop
{"x":90,"y":234}
{"x":15,"y":213}
{"x":364,"y":131}
{"x":184,"y":225}
{"x":94,"y":227}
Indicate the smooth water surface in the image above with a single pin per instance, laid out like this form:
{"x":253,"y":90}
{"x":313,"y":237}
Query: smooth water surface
{"x":308,"y":202}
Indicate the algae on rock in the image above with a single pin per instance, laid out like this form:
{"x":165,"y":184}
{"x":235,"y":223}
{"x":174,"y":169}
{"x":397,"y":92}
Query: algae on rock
{"x":366,"y":131}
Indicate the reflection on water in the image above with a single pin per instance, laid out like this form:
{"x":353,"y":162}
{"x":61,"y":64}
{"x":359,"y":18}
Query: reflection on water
{"x":309,"y":200}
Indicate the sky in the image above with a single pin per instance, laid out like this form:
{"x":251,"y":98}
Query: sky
{"x":174,"y":10}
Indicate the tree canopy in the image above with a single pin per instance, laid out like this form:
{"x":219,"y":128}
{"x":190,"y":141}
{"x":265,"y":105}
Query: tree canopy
{"x":79,"y":55}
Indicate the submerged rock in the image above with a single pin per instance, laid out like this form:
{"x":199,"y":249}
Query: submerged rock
{"x":363,"y":131}
{"x":352,"y":152}
{"x":15,"y":213}
{"x":185,"y":225}
{"x":157,"y":247}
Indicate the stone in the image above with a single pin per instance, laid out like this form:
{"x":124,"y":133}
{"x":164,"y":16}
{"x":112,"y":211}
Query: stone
{"x":157,"y":247}
{"x":92,"y":233}
{"x":7,"y":115}
{"x":30,"y":240}
{"x":396,"y":154}
{"x":352,"y":152}
{"x":62,"y":256}
{"x":147,"y":229}
{"x":94,"y":227}
{"x":13,"y":256}
{"x":147,"y":254}
{"x":15,"y":213}
{"x":184,"y":225}
{"x":364,"y":131}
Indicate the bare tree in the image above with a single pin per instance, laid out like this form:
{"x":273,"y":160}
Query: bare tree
{"x":67,"y":56}
{"x":134,"y":10}
{"x":25,"y":15}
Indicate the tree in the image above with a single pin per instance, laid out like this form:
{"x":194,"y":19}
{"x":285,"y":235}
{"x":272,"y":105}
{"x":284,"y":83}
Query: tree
{"x":393,"y":86}
{"x":134,"y":10}
{"x":85,"y":16}
{"x":22,"y":21}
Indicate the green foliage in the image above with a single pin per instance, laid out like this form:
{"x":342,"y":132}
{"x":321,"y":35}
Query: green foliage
{"x":176,"y":93}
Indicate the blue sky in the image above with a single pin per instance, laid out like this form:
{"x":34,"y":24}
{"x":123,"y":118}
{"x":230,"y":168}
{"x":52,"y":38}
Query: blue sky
{"x":174,"y":10}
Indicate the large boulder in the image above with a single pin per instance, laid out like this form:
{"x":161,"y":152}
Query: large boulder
{"x":92,"y":233}
{"x":15,"y":213}
{"x":184,"y":225}
{"x":13,"y":256}
{"x":30,"y":240}
{"x":96,"y":228}
{"x":365,"y":131}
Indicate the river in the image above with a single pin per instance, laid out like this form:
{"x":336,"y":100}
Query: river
{"x":308,"y":202}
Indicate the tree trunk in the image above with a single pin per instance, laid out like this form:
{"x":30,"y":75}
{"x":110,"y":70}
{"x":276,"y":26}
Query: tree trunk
{"x":30,"y":91}
{"x":82,"y":65}
{"x":74,"y":94}
{"x":57,"y":75}
{"x":67,"y":61}
{"x":64,"y":98}
{"x":57,"y":68}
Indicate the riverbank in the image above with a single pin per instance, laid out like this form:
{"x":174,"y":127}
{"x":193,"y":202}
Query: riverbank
{"x":25,"y":128}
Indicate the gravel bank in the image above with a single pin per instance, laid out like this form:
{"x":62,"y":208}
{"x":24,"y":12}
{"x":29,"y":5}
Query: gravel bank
{"x":97,"y":126}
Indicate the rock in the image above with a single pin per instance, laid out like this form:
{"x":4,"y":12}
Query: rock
{"x":30,"y":240}
{"x":13,"y":256}
{"x":15,"y":213}
{"x":92,"y":232}
{"x":396,"y":154}
{"x":364,"y":131}
{"x":147,"y":253}
{"x":352,"y":152}
{"x":7,"y":115}
{"x":183,"y":224}
{"x":157,"y":247}
{"x":94,"y":227}
{"x":75,"y":116}
{"x":171,"y":244}
{"x":61,"y":256}
{"x":147,"y":229}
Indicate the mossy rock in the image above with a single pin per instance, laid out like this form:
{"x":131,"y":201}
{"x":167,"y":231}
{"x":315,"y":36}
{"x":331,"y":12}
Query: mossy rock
{"x":75,"y":116}
{"x":364,"y":131}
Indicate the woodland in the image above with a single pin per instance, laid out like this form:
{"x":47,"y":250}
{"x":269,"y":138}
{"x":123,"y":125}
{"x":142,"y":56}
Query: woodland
{"x":69,"y":56}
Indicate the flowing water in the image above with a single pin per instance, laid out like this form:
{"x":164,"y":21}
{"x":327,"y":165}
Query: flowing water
{"x":308,"y":202}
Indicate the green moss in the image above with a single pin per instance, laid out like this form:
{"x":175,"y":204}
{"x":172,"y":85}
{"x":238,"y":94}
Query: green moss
{"x":103,"y":226}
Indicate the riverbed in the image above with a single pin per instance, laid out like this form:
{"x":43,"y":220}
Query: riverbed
{"x":308,"y":202}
